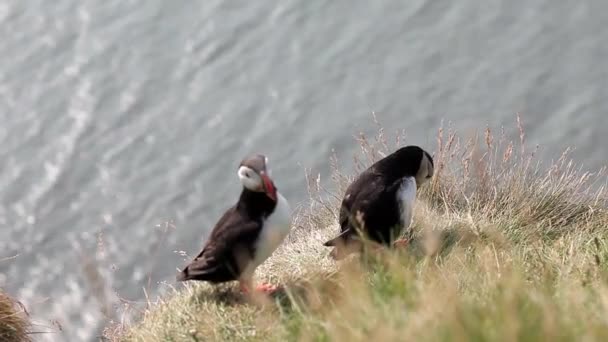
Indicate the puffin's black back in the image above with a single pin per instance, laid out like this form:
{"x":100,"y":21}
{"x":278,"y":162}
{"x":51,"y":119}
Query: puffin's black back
{"x":401,"y":163}
{"x":374,"y":194}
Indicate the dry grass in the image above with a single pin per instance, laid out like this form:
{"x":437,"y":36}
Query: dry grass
{"x":505,"y":250}
{"x":14,"y":323}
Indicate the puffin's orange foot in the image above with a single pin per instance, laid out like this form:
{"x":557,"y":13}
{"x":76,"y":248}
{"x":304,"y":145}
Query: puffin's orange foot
{"x":401,"y":243}
{"x":267,"y":288}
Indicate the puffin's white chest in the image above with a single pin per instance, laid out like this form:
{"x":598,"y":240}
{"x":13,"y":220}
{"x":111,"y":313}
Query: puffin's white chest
{"x":406,"y":195}
{"x":276,"y":228}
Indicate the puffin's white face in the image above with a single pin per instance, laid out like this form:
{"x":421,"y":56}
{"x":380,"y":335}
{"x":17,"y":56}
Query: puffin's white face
{"x":268,"y":171}
{"x":426,"y":170}
{"x":250,"y":179}
{"x":257,"y":181}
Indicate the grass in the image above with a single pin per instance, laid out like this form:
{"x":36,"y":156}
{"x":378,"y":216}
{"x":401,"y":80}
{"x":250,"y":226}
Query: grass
{"x":14,"y":321}
{"x":506,"y":249}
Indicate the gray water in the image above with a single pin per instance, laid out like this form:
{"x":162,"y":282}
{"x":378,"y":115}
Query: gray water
{"x":124,"y":118}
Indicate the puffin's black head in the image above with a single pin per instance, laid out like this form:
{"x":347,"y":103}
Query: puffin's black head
{"x":412,"y":161}
{"x":255,"y":175}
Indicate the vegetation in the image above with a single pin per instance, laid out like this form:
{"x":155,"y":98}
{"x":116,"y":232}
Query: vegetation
{"x":14,"y":323}
{"x":505,"y":250}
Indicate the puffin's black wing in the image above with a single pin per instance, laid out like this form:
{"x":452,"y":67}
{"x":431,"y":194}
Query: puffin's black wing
{"x":358,"y":196}
{"x":373,"y":201}
{"x":227,"y":251}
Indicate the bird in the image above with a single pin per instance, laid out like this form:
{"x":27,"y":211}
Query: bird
{"x":379,"y":203}
{"x":246,"y":234}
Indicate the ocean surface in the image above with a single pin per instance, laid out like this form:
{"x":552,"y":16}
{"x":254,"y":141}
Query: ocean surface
{"x":123,"y":121}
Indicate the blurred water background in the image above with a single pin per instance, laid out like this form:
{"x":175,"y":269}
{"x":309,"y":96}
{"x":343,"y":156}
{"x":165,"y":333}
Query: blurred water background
{"x":121,"y":119}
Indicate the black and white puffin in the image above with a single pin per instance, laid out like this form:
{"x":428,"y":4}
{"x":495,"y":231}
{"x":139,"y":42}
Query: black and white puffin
{"x":248,"y":232}
{"x":380,"y":202}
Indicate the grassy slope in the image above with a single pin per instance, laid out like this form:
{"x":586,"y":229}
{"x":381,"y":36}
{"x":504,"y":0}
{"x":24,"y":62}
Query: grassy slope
{"x":504,"y":250}
{"x":14,"y":323}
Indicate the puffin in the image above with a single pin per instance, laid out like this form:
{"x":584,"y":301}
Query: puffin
{"x":379,"y":203}
{"x":246,"y":234}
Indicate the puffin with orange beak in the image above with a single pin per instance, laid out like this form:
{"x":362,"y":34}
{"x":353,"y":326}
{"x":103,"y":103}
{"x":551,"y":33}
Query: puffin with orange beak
{"x":248,"y":232}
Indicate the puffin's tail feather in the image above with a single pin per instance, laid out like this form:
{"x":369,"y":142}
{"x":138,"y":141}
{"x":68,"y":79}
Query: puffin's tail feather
{"x":202,"y":271}
{"x":182,"y":276}
{"x":331,"y":242}
{"x":341,"y":237}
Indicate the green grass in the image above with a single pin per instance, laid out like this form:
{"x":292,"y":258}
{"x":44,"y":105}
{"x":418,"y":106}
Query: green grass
{"x":505,"y":250}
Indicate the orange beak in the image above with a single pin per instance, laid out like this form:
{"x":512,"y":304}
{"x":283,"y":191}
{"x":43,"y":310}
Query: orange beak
{"x":269,"y":187}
